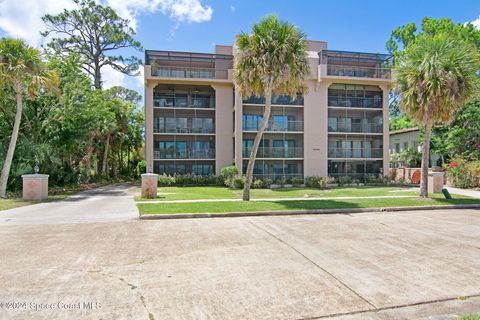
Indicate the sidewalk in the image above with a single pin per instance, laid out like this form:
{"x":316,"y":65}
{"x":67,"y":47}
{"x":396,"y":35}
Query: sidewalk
{"x":464,"y":192}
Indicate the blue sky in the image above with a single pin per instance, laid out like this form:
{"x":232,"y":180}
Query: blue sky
{"x":196,"y":25}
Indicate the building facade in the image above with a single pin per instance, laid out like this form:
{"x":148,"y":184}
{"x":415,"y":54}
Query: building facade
{"x":197,"y":122}
{"x":404,"y":139}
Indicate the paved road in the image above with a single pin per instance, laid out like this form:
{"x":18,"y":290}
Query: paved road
{"x":407,"y":265}
{"x":105,"y":204}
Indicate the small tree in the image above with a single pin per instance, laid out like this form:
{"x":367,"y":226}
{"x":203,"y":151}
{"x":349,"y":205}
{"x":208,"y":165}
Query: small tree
{"x":21,"y":68}
{"x":94,"y":32}
{"x":270,"y":60}
{"x":434,"y":75}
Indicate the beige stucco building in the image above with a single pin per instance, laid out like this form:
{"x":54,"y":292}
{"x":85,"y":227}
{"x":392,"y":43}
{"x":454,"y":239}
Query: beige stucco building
{"x":196,"y":122}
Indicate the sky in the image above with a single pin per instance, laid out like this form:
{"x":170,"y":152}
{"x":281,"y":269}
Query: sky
{"x":197,"y":25}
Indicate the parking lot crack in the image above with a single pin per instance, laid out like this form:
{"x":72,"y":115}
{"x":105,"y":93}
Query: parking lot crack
{"x":316,"y":265}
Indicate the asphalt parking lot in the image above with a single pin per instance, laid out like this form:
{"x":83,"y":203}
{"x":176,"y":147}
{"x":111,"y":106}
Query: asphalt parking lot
{"x":405,"y":265}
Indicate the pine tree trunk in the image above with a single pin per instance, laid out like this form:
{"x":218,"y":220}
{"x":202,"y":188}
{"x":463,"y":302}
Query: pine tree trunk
{"x":425,"y":159}
{"x":256,"y":142}
{"x":13,"y":141}
{"x":105,"y":157}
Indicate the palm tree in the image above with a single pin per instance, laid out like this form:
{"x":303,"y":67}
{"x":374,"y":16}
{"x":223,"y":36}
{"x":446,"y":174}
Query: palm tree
{"x":434,"y":76}
{"x":270,"y":60}
{"x":21,"y":68}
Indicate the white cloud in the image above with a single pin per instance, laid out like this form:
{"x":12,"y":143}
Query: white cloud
{"x":476,"y":22}
{"x":23,"y":19}
{"x":178,"y":10}
{"x":112,"y":77}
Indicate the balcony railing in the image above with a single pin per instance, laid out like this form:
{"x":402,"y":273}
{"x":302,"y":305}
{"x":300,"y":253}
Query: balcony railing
{"x":354,"y":102}
{"x":183,"y":130}
{"x":275,"y":152}
{"x":352,"y":175}
{"x":356,"y":128}
{"x":184,"y":154}
{"x":183,"y":102}
{"x":276,"y":100}
{"x":276,"y":126}
{"x":189,"y":72}
{"x":355,"y":153}
{"x":357,"y":71}
{"x":278,"y":176}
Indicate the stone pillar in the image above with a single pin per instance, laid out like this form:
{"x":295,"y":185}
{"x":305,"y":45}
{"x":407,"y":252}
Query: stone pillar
{"x":35,"y":186}
{"x":435,"y":182}
{"x":149,"y":185}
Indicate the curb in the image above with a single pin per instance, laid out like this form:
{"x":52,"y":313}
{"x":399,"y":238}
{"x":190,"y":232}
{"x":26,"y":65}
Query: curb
{"x":301,"y":212}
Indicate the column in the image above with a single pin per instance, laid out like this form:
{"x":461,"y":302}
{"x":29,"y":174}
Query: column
{"x":316,"y":129}
{"x":238,"y":130}
{"x":149,"y":138}
{"x":223,"y":126}
{"x":386,"y":129}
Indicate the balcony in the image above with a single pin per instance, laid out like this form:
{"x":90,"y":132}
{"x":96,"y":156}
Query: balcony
{"x":355,"y":128}
{"x":182,"y":154}
{"x":355,"y":153}
{"x":355,"y":65}
{"x":163,"y":101}
{"x":275,"y":152}
{"x":276,"y":126}
{"x":183,"y":130}
{"x":276,"y":100}
{"x":354,"y":102}
{"x":188,"y":72}
{"x":360,"y":72}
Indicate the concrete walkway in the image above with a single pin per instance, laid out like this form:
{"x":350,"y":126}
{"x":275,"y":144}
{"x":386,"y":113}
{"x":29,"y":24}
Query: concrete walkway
{"x":464,"y":192}
{"x":104,"y":204}
{"x":273,"y":199}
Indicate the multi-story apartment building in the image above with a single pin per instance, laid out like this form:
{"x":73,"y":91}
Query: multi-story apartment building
{"x":196,"y":122}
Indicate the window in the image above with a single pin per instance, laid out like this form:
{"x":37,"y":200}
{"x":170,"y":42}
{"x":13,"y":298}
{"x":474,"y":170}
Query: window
{"x":202,"y":125}
{"x":251,"y":122}
{"x":405,"y":145}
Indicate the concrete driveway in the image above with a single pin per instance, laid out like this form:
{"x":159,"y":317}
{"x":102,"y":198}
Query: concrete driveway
{"x":104,"y":204}
{"x":408,"y":265}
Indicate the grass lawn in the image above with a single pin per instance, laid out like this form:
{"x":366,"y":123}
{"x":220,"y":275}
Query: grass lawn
{"x":241,"y":206}
{"x":195,"y":193}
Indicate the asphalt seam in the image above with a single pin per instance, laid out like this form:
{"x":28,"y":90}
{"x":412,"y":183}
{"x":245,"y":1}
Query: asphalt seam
{"x":413,"y":304}
{"x":315,"y":264}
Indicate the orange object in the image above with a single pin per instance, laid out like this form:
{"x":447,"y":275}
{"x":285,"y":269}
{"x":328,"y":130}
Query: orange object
{"x":416,"y":177}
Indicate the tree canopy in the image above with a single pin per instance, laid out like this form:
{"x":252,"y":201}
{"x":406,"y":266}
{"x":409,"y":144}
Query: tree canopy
{"x":95,"y":33}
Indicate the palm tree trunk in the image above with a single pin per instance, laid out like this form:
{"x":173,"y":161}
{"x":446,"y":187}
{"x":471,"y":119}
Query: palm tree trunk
{"x":256,"y":142}
{"x":105,"y":156}
{"x":13,"y":142}
{"x":425,"y":159}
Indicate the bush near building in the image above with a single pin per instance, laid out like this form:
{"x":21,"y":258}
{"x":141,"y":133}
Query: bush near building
{"x":463,"y":173}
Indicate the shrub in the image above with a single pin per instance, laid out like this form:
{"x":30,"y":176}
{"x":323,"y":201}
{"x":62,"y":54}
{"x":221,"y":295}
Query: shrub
{"x":257,"y":184}
{"x":373,"y":179}
{"x":141,"y":167}
{"x":297,"y":182}
{"x":236,"y":182}
{"x":312,"y":182}
{"x":281,"y":181}
{"x":166,"y":181}
{"x":229,"y":172}
{"x":267,"y":183}
{"x":344,"y":180}
{"x":464,"y":174}
{"x":317,"y":182}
